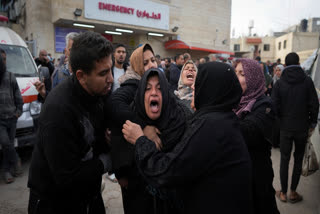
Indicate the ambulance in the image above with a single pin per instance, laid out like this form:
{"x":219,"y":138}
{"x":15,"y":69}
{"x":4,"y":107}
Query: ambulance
{"x":22,"y":65}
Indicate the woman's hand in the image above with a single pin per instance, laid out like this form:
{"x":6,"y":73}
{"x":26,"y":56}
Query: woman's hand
{"x":151,"y":133}
{"x":131,"y":132}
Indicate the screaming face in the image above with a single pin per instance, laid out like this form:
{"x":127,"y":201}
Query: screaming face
{"x":153,"y":98}
{"x":189,"y":74}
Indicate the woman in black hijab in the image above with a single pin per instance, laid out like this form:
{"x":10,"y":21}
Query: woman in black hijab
{"x":155,"y":106}
{"x":212,"y":148}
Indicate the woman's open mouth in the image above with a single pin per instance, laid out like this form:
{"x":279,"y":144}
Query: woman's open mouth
{"x":154,"y":106}
{"x":190,"y":77}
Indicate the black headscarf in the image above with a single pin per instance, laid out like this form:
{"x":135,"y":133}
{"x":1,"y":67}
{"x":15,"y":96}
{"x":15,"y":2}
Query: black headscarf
{"x":217,"y":88}
{"x":172,"y":120}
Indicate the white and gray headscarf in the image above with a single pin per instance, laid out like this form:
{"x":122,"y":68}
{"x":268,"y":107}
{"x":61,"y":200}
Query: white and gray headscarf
{"x":275,"y":77}
{"x":184,"y":92}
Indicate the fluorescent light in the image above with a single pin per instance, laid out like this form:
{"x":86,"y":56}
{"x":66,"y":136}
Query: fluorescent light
{"x":112,"y":32}
{"x":123,"y":30}
{"x":155,"y":34}
{"x":83,"y":25}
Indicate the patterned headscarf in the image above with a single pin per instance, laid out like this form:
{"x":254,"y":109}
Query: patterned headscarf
{"x":184,"y":92}
{"x":255,"y":85}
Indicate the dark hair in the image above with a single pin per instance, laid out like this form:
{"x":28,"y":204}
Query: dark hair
{"x":147,"y":47}
{"x":258,"y":58}
{"x":292,"y":59}
{"x":177,"y":57}
{"x":278,"y":60}
{"x":87,"y":49}
{"x":158,"y":56}
{"x":186,"y":56}
{"x":118,"y":46}
{"x":207,"y":58}
{"x":169,"y":60}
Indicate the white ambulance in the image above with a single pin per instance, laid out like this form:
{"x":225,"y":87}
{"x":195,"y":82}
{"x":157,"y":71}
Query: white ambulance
{"x":21,"y":63}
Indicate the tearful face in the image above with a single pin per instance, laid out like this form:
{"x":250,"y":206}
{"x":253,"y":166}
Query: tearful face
{"x":153,"y":98}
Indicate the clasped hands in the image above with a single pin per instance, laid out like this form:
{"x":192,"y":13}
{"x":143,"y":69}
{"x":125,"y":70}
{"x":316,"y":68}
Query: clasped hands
{"x":132,"y":131}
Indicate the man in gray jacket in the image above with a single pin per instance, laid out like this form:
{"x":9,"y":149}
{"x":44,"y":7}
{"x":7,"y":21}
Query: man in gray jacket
{"x":10,"y":110}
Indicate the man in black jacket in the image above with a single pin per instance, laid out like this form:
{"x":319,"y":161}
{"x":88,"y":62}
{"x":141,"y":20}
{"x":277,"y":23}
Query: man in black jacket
{"x":175,"y":70}
{"x":44,"y":61}
{"x":71,"y":152}
{"x":297,"y":104}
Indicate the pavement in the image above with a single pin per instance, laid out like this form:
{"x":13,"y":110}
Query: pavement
{"x":14,"y":197}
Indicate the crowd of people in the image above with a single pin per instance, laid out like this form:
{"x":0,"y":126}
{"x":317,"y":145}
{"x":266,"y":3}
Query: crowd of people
{"x":180,"y":135}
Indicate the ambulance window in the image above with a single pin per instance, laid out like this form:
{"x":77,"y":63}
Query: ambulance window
{"x":19,"y":61}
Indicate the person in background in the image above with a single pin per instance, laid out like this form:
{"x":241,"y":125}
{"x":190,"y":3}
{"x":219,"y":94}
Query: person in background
{"x":277,"y":74}
{"x":212,"y":57}
{"x":71,"y":153}
{"x":63,"y":72}
{"x":10,"y":110}
{"x":175,"y":70}
{"x":202,"y":61}
{"x":197,"y":62}
{"x":186,"y":80}
{"x":270,"y":67}
{"x":44,"y":61}
{"x":44,"y":86}
{"x":167,"y":66}
{"x":276,"y":127}
{"x":186,"y":57}
{"x":158,"y":60}
{"x":120,"y":65}
{"x":297,"y":104}
{"x":279,"y":61}
{"x":256,"y":116}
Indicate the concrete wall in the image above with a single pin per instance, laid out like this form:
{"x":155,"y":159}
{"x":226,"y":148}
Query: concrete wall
{"x":305,"y":41}
{"x":313,"y":26}
{"x":38,"y":24}
{"x":282,"y":52}
{"x":248,"y":47}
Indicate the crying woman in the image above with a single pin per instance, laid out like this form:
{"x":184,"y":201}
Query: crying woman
{"x":158,"y":107}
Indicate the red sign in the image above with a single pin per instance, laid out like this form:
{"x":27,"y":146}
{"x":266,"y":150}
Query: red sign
{"x":127,"y":10}
{"x":107,"y":36}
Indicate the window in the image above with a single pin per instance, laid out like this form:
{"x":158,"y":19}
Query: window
{"x":266,"y":47}
{"x":19,"y":61}
{"x":318,"y":22}
{"x":236,"y":47}
{"x":279,"y":46}
{"x":284,"y":44}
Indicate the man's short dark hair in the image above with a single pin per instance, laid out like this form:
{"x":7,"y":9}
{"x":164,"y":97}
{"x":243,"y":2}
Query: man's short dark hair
{"x":292,"y":59}
{"x":258,"y":58}
{"x":169,"y":60}
{"x":177,"y":57}
{"x":207,"y":58}
{"x":158,"y":57}
{"x":87,"y":49}
{"x":118,"y":45}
